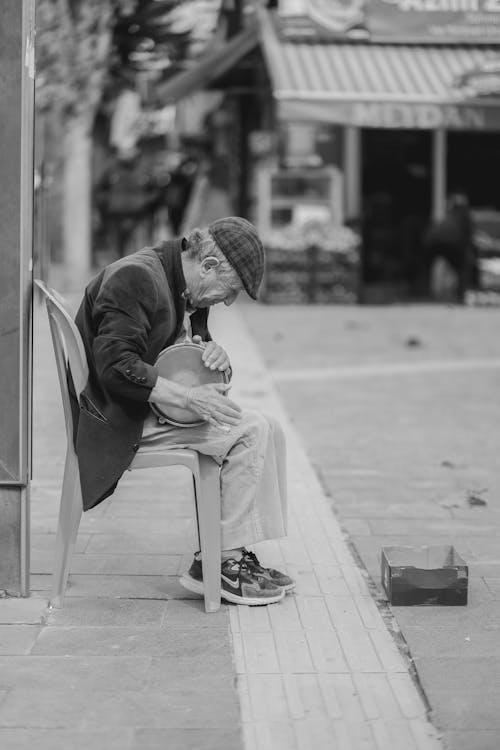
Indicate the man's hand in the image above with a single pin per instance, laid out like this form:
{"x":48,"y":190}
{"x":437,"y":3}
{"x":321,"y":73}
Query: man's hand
{"x":214,"y":356}
{"x":209,"y":402}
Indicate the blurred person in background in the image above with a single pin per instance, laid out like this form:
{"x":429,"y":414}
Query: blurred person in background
{"x":132,"y":310}
{"x":126,"y":197}
{"x":450,"y":252}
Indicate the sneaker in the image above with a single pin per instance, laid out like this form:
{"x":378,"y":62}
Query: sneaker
{"x":270,"y":574}
{"x":239,"y":584}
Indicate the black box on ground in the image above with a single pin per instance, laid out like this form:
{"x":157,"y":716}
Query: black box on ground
{"x":424,"y":575}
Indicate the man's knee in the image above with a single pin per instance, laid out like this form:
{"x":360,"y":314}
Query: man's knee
{"x":259,"y":426}
{"x":275,"y":426}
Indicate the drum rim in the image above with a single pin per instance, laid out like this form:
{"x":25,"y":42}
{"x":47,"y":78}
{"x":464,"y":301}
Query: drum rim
{"x":157,"y":411}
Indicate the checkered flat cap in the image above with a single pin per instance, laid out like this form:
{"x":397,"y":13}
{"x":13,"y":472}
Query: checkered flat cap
{"x":240,"y":243}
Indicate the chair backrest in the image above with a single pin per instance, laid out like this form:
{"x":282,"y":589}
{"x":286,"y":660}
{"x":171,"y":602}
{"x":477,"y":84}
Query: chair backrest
{"x":68,"y":349}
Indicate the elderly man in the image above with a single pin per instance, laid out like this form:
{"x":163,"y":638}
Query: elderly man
{"x":131,"y":311}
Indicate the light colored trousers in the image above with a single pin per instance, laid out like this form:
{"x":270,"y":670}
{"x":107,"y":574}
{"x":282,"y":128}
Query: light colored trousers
{"x":252,"y":457}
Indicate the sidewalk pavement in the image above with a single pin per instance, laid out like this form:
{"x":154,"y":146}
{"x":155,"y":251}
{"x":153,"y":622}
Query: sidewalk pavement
{"x":399,"y":411}
{"x":132,"y":660}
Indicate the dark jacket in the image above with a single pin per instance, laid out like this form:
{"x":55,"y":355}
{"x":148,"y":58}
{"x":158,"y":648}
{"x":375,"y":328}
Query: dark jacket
{"x":131,"y":311}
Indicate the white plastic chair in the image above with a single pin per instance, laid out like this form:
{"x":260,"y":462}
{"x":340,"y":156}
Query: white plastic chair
{"x":70,"y":354}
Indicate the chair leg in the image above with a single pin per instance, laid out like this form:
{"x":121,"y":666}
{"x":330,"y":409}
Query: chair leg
{"x":209,"y":513}
{"x":70,"y":513}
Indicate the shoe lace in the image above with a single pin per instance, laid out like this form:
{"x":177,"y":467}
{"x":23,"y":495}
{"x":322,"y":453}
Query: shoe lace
{"x":252,"y":558}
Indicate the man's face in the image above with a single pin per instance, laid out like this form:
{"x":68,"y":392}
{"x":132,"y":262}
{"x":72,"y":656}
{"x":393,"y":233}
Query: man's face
{"x":207,"y":286}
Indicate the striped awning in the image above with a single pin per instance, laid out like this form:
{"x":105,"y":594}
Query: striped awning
{"x":329,"y":81}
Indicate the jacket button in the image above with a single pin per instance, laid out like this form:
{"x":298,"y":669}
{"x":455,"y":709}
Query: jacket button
{"x":127,"y":372}
{"x":135,"y":447}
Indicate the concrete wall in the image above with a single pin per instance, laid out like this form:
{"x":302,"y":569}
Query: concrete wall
{"x":16,"y":217}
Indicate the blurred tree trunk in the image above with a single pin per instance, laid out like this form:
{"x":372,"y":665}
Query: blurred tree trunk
{"x":74,"y":42}
{"x":77,"y":201}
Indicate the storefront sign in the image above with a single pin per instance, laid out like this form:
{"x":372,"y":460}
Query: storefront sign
{"x":418,"y":116}
{"x":320,"y":19}
{"x":476,"y":21}
{"x":409,"y":116}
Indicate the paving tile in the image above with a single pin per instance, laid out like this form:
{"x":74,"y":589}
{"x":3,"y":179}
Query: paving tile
{"x":127,"y":641}
{"x":140,"y":543}
{"x":209,"y":674}
{"x":304,"y":697}
{"x":340,"y":550}
{"x":356,"y":526}
{"x":359,"y":651}
{"x":211,"y":668}
{"x":127,"y":587}
{"x":377,"y":697}
{"x":254,"y":619}
{"x":480,"y":613}
{"x":61,"y":739}
{"x":355,"y":580}
{"x":47,"y":542}
{"x":393,"y":734}
{"x":343,"y":612}
{"x":318,"y":732}
{"x":274,"y":736}
{"x":260,"y":653}
{"x":387,"y":651}
{"x":249,"y":736}
{"x":326,"y":651}
{"x":493,"y":585}
{"x":479,"y":739}
{"x":293,"y":651}
{"x":190,"y":614}
{"x":305,"y":579}
{"x":268,"y":697}
{"x":313,"y":613}
{"x":368,"y":509}
{"x":22,"y":611}
{"x":453,"y":642}
{"x":294,"y":552}
{"x":468,"y":710}
{"x":119,"y":564}
{"x":286,"y":616}
{"x":341,"y":696}
{"x":486,"y":568}
{"x":126,"y":612}
{"x":70,"y":672}
{"x":187,"y":739}
{"x":331,"y":580}
{"x":80,"y":709}
{"x":425,"y":735}
{"x":269,"y":553}
{"x":153,"y":525}
{"x":244,"y":698}
{"x":407,"y":695}
{"x":17,"y":639}
{"x":319,"y":550}
{"x":458,"y":674}
{"x":238,"y":654}
{"x":353,"y":735}
{"x":234,"y":619}
{"x":430,"y":528}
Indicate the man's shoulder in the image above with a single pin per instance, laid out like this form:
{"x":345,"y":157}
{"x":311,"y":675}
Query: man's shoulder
{"x":139,"y":266}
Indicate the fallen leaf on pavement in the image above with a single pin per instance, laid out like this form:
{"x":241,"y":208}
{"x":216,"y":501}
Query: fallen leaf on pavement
{"x":474,"y":497}
{"x":413,"y":342}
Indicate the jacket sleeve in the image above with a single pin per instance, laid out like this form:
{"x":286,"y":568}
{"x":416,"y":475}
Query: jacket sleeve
{"x":122,"y":316}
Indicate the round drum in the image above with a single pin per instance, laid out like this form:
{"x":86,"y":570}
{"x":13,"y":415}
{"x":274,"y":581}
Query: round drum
{"x":182,"y":363}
